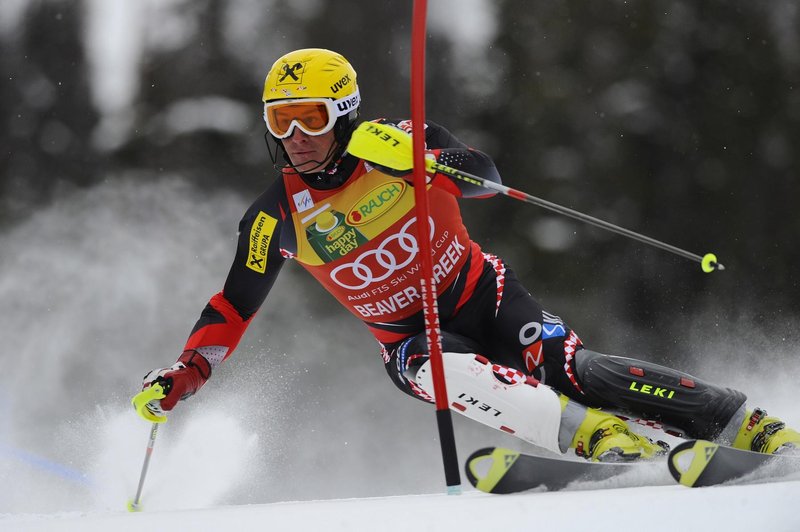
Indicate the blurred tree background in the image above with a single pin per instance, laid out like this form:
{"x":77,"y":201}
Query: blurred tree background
{"x":675,"y":119}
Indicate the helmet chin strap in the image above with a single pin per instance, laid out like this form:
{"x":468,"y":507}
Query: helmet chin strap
{"x":286,"y":161}
{"x":317,"y":167}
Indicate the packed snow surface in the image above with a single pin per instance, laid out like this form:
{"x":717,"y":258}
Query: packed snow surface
{"x":302,"y":412}
{"x":728,"y":508}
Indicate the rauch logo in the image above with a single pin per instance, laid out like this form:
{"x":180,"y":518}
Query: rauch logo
{"x":375,"y":202}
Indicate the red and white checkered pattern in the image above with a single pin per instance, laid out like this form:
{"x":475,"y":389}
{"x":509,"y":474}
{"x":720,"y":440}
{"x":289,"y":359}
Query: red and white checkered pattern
{"x":570,"y":346}
{"x":655,"y":425}
{"x":420,"y":392}
{"x":500,"y":270}
{"x":508,"y":375}
{"x":644,"y":422}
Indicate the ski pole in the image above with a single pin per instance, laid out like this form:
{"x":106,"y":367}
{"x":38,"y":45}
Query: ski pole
{"x":444,"y":419}
{"x":391,"y":147}
{"x":134,"y":505}
{"x":150,"y":412}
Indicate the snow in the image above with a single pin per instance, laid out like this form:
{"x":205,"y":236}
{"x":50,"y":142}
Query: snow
{"x":136,"y":260}
{"x":728,"y":508}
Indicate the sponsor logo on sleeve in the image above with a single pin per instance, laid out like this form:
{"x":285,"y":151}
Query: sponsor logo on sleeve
{"x":260,"y":236}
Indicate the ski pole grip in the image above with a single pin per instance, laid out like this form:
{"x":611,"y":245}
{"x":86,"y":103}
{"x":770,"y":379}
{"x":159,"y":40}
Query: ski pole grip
{"x":142,"y":399}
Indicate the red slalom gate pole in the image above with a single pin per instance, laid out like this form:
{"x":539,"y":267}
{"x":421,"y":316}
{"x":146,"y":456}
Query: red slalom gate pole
{"x":444,"y":417}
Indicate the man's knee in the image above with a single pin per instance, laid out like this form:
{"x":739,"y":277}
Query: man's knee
{"x":413,"y":351}
{"x":407,"y":356}
{"x":402,"y":360}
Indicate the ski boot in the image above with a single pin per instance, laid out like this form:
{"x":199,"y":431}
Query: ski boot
{"x":602,"y":437}
{"x":767,"y":435}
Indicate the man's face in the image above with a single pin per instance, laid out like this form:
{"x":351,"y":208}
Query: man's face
{"x":309,"y":153}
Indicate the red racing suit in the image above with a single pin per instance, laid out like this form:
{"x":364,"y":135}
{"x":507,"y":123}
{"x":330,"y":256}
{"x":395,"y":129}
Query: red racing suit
{"x":353,"y":228}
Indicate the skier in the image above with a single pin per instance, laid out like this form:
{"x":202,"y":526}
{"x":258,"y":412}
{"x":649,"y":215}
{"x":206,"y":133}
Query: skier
{"x":508,"y":363}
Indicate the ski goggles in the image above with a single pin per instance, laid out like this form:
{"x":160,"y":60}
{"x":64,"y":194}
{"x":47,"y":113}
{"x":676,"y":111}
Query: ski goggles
{"x":314,"y":116}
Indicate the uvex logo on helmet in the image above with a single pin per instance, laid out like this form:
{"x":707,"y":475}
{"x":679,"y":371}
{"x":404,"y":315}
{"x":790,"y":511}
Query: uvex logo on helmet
{"x":346,"y":104}
{"x":339,"y":85}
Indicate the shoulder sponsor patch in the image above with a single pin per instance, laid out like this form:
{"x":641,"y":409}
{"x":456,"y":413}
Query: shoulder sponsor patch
{"x":260,"y":236}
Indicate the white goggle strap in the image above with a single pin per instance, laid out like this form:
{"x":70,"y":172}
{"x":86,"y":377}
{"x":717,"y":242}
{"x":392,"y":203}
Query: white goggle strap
{"x":344,"y":105}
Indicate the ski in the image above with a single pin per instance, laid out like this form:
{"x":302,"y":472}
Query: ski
{"x":499,"y":470}
{"x":697,"y":463}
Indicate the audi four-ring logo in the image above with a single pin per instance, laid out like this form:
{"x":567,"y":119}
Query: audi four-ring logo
{"x":386,"y":262}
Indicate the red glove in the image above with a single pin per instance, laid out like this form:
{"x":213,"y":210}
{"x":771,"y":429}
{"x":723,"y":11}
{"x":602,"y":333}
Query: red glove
{"x":182,"y":379}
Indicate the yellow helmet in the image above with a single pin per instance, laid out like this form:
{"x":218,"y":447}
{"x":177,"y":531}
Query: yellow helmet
{"x":310,"y":73}
{"x":324,"y":78}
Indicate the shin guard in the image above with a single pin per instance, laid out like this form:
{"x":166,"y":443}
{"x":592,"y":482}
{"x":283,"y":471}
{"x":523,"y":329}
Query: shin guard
{"x":500,"y":397}
{"x":699,"y":408}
